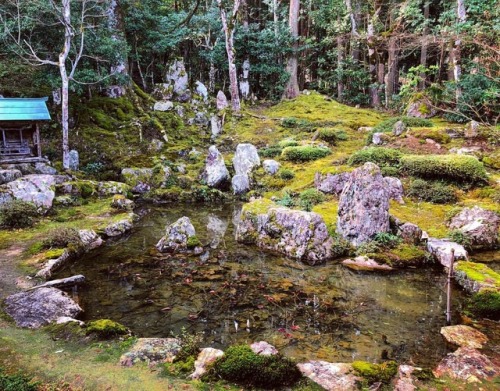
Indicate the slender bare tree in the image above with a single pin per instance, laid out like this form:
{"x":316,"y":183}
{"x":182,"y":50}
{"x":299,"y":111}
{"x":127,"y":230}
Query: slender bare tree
{"x":292,"y":87}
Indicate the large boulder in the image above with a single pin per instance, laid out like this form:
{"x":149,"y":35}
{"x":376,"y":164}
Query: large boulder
{"x":245,"y":159}
{"x":398,"y":128}
{"x":331,"y":376}
{"x":39,"y":307}
{"x":363,"y":205}
{"x":215,"y":173}
{"x":479,"y":225}
{"x":177,"y":236}
{"x":45,"y":169}
{"x":421,"y":108}
{"x":331,"y":183}
{"x":201,"y":90}
{"x":294,"y":233}
{"x":7,"y":176}
{"x":263,"y":348}
{"x":177,"y":78}
{"x":38,"y":189}
{"x":120,"y":227}
{"x":467,"y":364}
{"x":442,"y":249}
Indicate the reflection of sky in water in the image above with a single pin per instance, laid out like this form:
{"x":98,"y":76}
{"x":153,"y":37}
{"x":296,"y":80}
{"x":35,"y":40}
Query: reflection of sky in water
{"x":236,"y":294}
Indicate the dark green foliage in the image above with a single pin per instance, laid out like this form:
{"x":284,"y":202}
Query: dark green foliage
{"x":432,"y":191}
{"x":93,"y":168}
{"x":340,"y":246}
{"x":485,"y":303}
{"x":242,"y":366}
{"x":207,"y":194}
{"x":63,"y":238}
{"x":193,"y":242}
{"x":18,"y":214}
{"x":310,"y":197}
{"x":296,"y":123}
{"x":16,"y":382}
{"x":286,"y":174}
{"x":272,"y":151}
{"x":328,"y":135}
{"x":105,"y":328}
{"x":287,"y":200}
{"x":377,"y":155}
{"x":389,"y":171}
{"x":459,"y":168}
{"x":460,"y":237}
{"x":387,"y":240}
{"x":376,"y":372}
{"x":304,"y":153}
{"x":411,"y":122}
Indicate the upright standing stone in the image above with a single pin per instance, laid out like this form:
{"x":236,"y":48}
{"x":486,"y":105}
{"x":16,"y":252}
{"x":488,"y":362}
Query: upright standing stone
{"x":363,"y":205}
{"x":74,"y":160}
{"x":215,"y":173}
{"x":222,"y":102}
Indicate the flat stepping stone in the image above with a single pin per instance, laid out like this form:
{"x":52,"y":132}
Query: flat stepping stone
{"x":464,"y":336}
{"x":366,"y":264}
{"x":331,"y":376}
{"x":151,"y":350}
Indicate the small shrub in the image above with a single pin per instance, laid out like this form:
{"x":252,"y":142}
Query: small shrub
{"x":288,"y":142}
{"x":18,"y":214}
{"x":106,"y":328}
{"x":389,"y":171}
{"x":296,"y":123}
{"x":304,"y":153}
{"x":286,"y":174}
{"x":485,"y":303}
{"x":460,"y":238}
{"x":63,"y":238}
{"x":367,"y":248}
{"x":207,"y":194}
{"x":242,"y":366}
{"x":436,"y":192}
{"x":340,"y":246}
{"x":272,"y":151}
{"x":286,"y":201}
{"x":16,"y":382}
{"x":193,"y":242}
{"x":387,"y":240}
{"x":459,"y":168}
{"x":380,"y":156}
{"x":328,"y":135}
{"x":342,"y":135}
{"x":190,"y":345}
{"x":310,"y":197}
{"x":93,"y":168}
{"x":386,"y":126}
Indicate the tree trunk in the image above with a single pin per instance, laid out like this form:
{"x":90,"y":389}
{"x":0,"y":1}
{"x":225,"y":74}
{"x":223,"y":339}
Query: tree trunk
{"x":423,"y":50}
{"x":340,"y":61}
{"x":392,"y":71}
{"x":372,"y":61}
{"x":292,"y":87}
{"x":456,"y":51}
{"x":68,"y":34}
{"x":229,"y":35}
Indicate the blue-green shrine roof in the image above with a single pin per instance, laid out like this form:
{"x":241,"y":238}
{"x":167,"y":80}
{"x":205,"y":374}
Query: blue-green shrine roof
{"x":23,"y":109}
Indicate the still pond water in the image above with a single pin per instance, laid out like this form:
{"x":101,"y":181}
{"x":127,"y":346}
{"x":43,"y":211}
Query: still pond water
{"x":234,"y":293}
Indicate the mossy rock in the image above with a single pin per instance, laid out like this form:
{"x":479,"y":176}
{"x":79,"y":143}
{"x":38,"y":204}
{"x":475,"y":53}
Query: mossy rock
{"x":241,"y":365}
{"x":193,"y":242}
{"x":476,"y":276}
{"x":376,"y":372}
{"x":106,"y":328}
{"x":259,"y":206}
{"x":437,"y":135}
{"x":485,"y":303}
{"x":405,"y":255}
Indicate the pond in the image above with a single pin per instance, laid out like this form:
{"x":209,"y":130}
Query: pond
{"x":233,"y":293}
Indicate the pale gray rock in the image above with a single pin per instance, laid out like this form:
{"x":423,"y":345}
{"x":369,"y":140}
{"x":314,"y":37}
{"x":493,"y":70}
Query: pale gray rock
{"x":410,"y":233}
{"x":215,"y":126}
{"x":262,"y":348}
{"x":38,"y":189}
{"x":421,"y":108}
{"x":151,"y":351}
{"x":245,"y":159}
{"x":39,"y":307}
{"x":121,"y":203}
{"x":90,"y":240}
{"x":120,"y":227}
{"x":271,"y":166}
{"x":395,"y":189}
{"x":222,"y":102}
{"x":480,"y":226}
{"x":364,"y":263}
{"x":240,"y":184}
{"x":177,"y":236}
{"x":331,"y":376}
{"x":377,"y":138}
{"x":365,"y":129}
{"x":60,"y":283}
{"x":111,"y":188}
{"x":139,"y":179}
{"x":398,"y":128}
{"x":294,"y":233}
{"x":216,"y":229}
{"x":441,"y":249}
{"x":45,"y":169}
{"x":163,"y":105}
{"x":472,"y":129}
{"x":331,"y":183}
{"x":201,"y":90}
{"x":363,"y":205}
{"x":215,"y":173}
{"x":176,"y":78}
{"x":53,"y":264}
{"x":7,"y":176}
{"x":74,"y":160}
{"x":205,"y":358}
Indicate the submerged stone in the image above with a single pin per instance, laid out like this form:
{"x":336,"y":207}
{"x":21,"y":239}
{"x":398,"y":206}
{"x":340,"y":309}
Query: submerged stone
{"x":364,"y":263}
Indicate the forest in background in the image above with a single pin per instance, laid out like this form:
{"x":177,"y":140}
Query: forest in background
{"x":378,"y":53}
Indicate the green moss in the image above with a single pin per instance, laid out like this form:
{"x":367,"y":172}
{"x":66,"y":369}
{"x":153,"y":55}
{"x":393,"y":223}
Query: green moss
{"x":106,"y":328}
{"x":53,"y":253}
{"x":17,"y":382}
{"x":259,"y":206}
{"x":485,"y":303}
{"x":478,"y":272}
{"x":459,"y":168}
{"x":378,"y":155}
{"x":288,"y":142}
{"x":286,"y":174}
{"x":241,"y":365}
{"x":304,"y":153}
{"x":407,"y":255}
{"x":376,"y":372}
{"x":432,"y":191}
{"x":69,"y":331}
{"x":310,"y":197}
{"x":438,"y":135}
{"x":193,"y":242}
{"x":386,"y":126}
{"x":328,"y":135}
